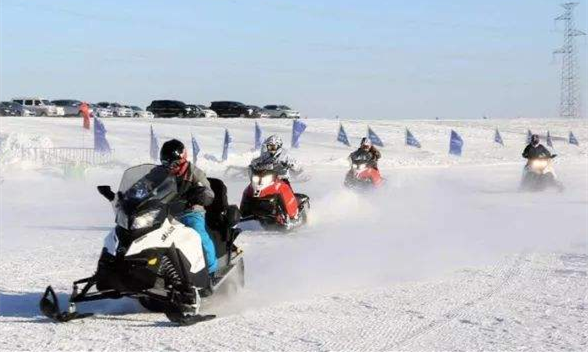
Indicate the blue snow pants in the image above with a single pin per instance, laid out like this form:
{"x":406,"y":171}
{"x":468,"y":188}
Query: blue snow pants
{"x":196,"y":221}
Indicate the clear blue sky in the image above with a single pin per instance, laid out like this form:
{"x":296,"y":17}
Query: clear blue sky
{"x":355,"y":59}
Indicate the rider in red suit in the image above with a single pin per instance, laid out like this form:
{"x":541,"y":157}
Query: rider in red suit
{"x":366,"y":147}
{"x":275,"y":157}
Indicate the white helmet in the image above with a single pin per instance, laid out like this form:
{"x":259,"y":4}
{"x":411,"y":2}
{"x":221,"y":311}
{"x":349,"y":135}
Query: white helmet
{"x":273,"y":145}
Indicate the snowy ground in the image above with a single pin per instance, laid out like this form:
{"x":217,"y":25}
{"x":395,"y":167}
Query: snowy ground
{"x":449,"y":257}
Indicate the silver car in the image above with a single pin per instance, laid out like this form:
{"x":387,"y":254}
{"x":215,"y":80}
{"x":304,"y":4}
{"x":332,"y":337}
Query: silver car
{"x":41,"y":107}
{"x":71,"y":107}
{"x":281,"y":111}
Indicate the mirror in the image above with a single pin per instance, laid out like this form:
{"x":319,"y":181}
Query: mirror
{"x":106,"y":192}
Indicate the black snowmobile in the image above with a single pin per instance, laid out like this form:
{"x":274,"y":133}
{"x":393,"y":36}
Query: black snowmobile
{"x":154,"y":258}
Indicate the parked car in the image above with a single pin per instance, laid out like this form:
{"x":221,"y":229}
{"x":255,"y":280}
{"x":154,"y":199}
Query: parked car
{"x":138,"y":112}
{"x":170,"y":108}
{"x":118,"y":110}
{"x":281,"y":111}
{"x":100,"y":111}
{"x":258,"y":112}
{"x":10,"y":108}
{"x":231,"y":109}
{"x":198,"y":112}
{"x":70,"y":107}
{"x":41,"y":107}
{"x":208,"y":112}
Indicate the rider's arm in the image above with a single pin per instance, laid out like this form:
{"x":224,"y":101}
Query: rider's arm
{"x":544,"y":151}
{"x":293,"y":165}
{"x":375,"y":153}
{"x":200,"y":192}
{"x":526,"y":151}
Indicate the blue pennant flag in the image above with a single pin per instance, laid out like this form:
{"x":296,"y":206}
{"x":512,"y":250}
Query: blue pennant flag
{"x":374,"y":138}
{"x":100,"y":143}
{"x":529,"y":135}
{"x":257,"y":137}
{"x":226,"y":144}
{"x":573,"y":140}
{"x":153,"y":146}
{"x":342,"y":136}
{"x":411,"y":140}
{"x":455,"y":144}
{"x":195,"y":150}
{"x":297,"y":128}
{"x":548,"y":140}
{"x":498,"y":138}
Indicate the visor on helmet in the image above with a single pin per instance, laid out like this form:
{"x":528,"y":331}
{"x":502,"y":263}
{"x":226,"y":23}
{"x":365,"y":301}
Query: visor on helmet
{"x":272,"y":148}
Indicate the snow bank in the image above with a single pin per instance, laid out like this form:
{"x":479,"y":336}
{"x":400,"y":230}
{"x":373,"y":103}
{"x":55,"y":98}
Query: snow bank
{"x":15,"y":148}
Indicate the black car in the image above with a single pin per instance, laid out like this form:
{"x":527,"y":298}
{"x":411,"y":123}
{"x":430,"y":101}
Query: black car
{"x":231,"y":109}
{"x":8,"y":108}
{"x":170,"y":108}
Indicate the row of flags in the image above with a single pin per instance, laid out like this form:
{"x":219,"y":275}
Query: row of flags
{"x":456,"y":142}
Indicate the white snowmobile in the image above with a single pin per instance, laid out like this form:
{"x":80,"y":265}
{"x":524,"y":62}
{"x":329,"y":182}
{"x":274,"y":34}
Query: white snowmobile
{"x":539,"y":175}
{"x":154,"y":258}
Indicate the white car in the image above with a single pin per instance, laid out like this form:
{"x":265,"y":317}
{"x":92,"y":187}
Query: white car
{"x":207,"y":111}
{"x":100,"y":111}
{"x":281,"y":111}
{"x":138,"y":112}
{"x":203,"y":111}
{"x":118,"y":110}
{"x":40,"y":106}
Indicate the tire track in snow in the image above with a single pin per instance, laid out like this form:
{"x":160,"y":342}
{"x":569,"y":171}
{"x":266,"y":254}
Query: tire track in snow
{"x":462,"y":311}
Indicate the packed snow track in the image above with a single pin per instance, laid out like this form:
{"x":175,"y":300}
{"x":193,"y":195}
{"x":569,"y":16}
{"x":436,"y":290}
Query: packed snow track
{"x":449,"y":256}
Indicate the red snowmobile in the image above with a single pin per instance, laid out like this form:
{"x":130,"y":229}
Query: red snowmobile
{"x":271,"y":201}
{"x":363,"y":173}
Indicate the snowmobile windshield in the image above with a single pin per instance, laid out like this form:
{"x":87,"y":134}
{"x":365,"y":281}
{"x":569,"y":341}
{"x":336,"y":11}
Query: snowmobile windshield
{"x":360,"y":157}
{"x":143,"y":193}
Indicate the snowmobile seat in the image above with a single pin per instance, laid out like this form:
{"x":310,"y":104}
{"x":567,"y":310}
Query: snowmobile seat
{"x":217,"y":221}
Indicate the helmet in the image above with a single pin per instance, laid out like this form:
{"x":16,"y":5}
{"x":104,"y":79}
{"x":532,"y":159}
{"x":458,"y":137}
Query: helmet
{"x":173,"y":155}
{"x":534,"y":139}
{"x":273,"y":145}
{"x":365,"y":143}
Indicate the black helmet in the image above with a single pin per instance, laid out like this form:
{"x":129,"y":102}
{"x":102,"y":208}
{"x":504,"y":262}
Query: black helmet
{"x":365,"y":143}
{"x":172,"y":153}
{"x":534,"y":139}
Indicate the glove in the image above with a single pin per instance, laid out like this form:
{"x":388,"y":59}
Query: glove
{"x":197,"y":196}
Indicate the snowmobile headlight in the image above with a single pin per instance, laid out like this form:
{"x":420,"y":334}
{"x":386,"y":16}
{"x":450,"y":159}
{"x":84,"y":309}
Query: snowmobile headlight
{"x":255,"y":179}
{"x":539,"y":164}
{"x":267,"y":179}
{"x":145,"y":220}
{"x":360,"y":167}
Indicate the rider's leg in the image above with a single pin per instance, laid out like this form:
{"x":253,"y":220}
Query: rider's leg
{"x":196,"y":221}
{"x":289,"y":199}
{"x":375,"y":176}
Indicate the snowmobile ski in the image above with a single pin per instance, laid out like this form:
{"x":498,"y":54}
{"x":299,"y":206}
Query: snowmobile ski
{"x":50,"y":308}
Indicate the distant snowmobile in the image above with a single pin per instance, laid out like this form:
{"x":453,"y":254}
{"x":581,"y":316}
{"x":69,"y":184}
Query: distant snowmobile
{"x":539,"y":175}
{"x":363,"y":174}
{"x":154,"y":258}
{"x":263,"y":201}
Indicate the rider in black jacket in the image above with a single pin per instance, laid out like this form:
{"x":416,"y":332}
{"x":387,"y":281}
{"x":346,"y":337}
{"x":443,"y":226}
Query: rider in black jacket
{"x":535,"y":149}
